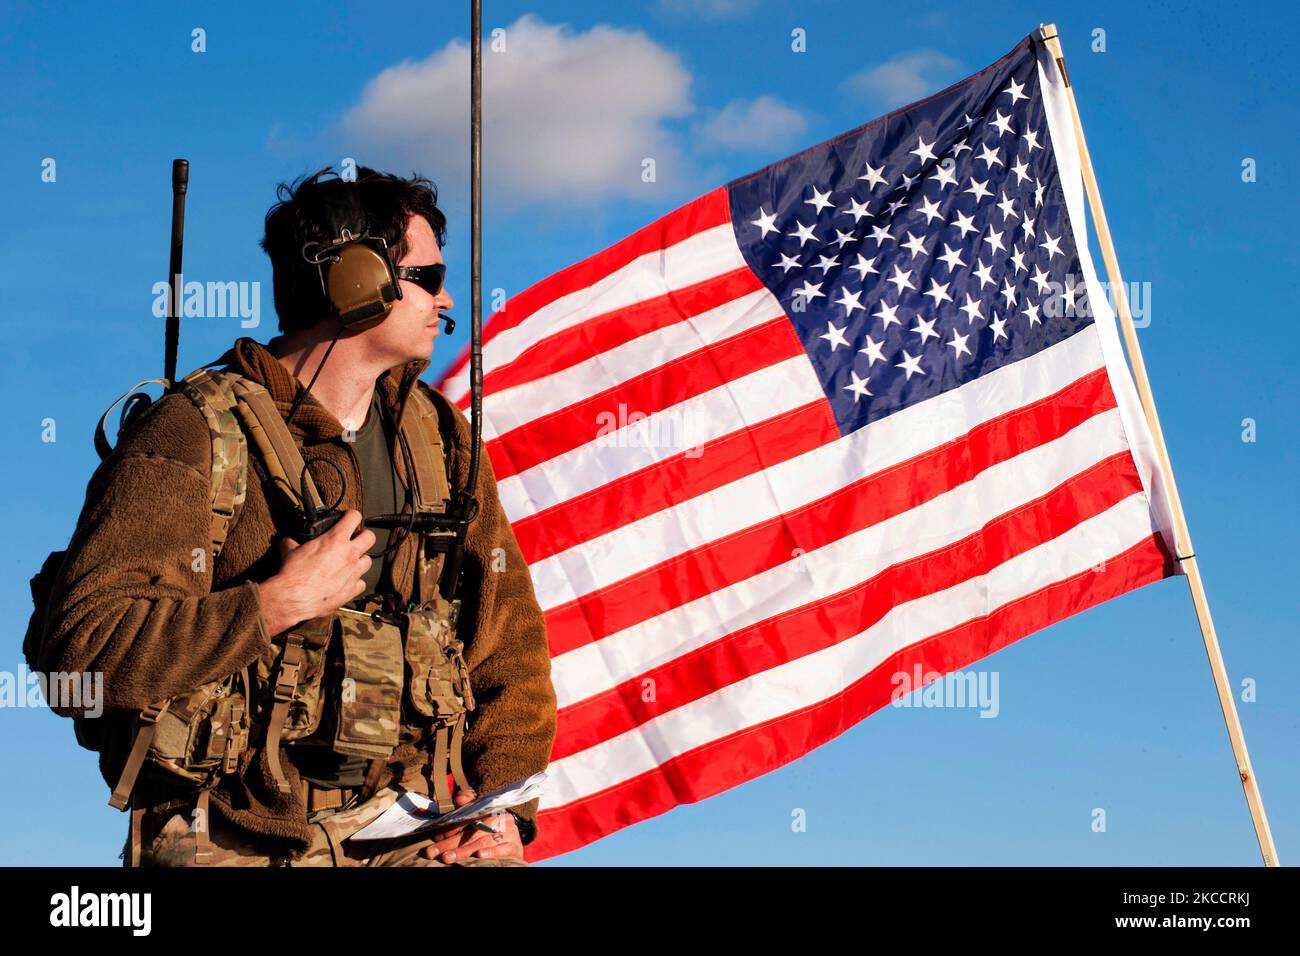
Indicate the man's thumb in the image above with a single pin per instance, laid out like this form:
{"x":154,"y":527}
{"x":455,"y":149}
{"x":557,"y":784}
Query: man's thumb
{"x":288,"y":544}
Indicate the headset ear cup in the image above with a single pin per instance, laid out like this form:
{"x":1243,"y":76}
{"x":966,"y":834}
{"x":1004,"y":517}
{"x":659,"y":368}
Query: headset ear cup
{"x":360,"y":286}
{"x":361,"y":325}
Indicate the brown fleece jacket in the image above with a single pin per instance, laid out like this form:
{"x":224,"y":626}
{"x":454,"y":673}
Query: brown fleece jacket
{"x":126,"y":601}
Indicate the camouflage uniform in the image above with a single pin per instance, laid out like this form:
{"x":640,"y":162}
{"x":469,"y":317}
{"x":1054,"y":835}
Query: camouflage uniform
{"x":169,"y":839}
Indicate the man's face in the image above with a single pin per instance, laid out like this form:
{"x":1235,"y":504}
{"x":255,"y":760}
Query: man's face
{"x":411,"y":327}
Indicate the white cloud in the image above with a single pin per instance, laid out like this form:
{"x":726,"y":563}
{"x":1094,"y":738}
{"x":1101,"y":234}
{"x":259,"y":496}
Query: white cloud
{"x":567,"y":116}
{"x":907,"y":77}
{"x":765,"y":122}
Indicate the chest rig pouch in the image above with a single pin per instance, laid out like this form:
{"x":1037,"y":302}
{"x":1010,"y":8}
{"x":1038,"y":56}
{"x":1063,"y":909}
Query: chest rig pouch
{"x":196,"y":736}
{"x":392,"y":667}
{"x":437,"y":686}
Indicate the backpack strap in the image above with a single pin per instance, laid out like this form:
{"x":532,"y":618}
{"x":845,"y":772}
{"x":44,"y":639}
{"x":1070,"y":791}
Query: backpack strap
{"x":228,"y":400}
{"x":148,"y":726}
{"x":288,"y":472}
{"x":210,"y":392}
{"x":274,"y":442}
{"x":422,"y":434}
{"x":102,"y":446}
{"x":420,"y":428}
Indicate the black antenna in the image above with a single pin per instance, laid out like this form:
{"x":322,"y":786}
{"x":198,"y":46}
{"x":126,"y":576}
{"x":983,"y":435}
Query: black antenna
{"x":468,"y":504}
{"x":464,"y":506}
{"x":180,"y":185}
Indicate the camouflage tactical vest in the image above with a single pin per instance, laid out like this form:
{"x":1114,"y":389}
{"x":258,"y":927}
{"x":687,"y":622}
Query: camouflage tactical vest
{"x":397,"y":666}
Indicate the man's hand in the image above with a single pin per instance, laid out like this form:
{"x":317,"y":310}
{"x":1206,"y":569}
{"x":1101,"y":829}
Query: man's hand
{"x":465,"y":840}
{"x":319,"y":577}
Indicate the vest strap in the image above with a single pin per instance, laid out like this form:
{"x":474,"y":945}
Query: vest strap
{"x":438,"y":776}
{"x":135,"y":838}
{"x":286,"y":680}
{"x":429,"y":488}
{"x":419,"y":426}
{"x":139,"y":750}
{"x":457,"y":768}
{"x":202,"y":840}
{"x":229,"y":451}
{"x":271,"y":435}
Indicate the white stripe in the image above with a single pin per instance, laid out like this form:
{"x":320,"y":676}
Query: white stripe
{"x":1065,"y":150}
{"x":819,"y":676}
{"x":842,"y":564}
{"x":624,"y":443}
{"x":763,"y":495}
{"x":702,"y":256}
{"x":513,"y":407}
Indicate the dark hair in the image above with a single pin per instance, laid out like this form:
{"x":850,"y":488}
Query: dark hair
{"x":317,"y":208}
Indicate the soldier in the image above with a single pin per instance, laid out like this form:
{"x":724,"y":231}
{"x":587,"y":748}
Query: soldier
{"x":272,"y":681}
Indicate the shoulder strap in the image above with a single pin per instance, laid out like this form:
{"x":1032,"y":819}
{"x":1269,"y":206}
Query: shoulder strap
{"x":274,"y":442}
{"x":424,"y":437}
{"x":228,"y":400}
{"x":102,"y":446}
{"x":209,"y":391}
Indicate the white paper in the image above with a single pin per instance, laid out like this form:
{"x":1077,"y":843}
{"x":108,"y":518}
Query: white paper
{"x":411,"y":813}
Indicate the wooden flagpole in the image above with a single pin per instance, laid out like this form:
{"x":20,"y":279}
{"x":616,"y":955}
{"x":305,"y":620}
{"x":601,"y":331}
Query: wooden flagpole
{"x":1186,"y":555}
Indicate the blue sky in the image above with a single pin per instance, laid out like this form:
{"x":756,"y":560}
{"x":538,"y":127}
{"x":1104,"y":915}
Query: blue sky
{"x":1114,"y":709}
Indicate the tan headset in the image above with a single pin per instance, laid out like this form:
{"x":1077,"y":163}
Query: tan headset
{"x":357,"y":278}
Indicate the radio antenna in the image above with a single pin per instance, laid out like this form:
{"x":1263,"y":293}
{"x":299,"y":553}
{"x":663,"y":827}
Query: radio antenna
{"x":180,"y":185}
{"x":468,"y":504}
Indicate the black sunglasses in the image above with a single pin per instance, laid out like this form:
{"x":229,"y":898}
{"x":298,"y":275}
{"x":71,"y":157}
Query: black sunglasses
{"x":429,"y":278}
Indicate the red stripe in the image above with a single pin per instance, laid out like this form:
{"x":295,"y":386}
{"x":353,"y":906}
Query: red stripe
{"x":710,"y":210}
{"x":722,"y":764}
{"x":736,"y":557}
{"x":685,"y":377}
{"x":821,"y":624}
{"x":672,"y":480}
{"x":599,"y":334}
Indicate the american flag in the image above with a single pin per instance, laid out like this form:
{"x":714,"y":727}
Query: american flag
{"x":863,"y":410}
